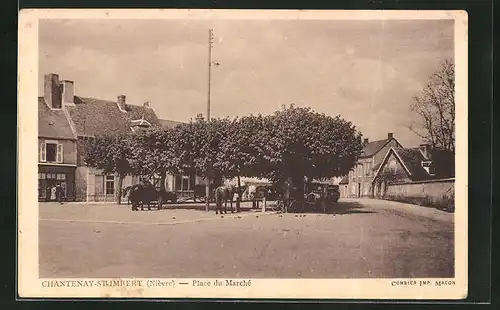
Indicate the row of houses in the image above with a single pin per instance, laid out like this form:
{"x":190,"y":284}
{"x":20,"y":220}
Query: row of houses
{"x":386,"y":162}
{"x":66,"y":122}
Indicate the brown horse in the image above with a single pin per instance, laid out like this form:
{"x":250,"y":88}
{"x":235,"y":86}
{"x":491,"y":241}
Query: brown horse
{"x":222,"y":195}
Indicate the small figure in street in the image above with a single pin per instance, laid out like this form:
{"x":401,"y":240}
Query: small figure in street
{"x":59,"y":193}
{"x":62,"y":195}
{"x":52,"y":193}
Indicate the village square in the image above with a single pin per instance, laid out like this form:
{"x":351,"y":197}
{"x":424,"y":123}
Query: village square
{"x":291,"y":190}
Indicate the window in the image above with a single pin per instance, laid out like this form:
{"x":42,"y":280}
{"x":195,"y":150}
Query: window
{"x":185,"y":183}
{"x":182,"y":183}
{"x":393,"y":164}
{"x":51,"y":152}
{"x":42,"y":191}
{"x":156,"y":182}
{"x":110,"y":185}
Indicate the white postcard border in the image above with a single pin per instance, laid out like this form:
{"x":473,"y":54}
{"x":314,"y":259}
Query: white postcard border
{"x":30,"y":285}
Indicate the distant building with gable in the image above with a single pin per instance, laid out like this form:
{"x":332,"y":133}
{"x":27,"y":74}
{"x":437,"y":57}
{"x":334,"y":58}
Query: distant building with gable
{"x":420,"y":165}
{"x":359,"y":180}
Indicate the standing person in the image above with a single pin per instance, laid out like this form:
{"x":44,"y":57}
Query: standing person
{"x":58,"y":192}
{"x":52,"y":193}
{"x":62,"y":194}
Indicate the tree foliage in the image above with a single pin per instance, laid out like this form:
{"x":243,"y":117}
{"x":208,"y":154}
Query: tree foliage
{"x":294,"y":143}
{"x":112,"y":154}
{"x":435,"y":106}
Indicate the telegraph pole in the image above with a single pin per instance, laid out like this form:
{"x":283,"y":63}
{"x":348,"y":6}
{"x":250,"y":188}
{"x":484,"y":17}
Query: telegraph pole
{"x":210,"y":45}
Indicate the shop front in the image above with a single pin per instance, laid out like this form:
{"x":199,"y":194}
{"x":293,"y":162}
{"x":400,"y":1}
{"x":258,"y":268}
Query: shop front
{"x":50,"y":176}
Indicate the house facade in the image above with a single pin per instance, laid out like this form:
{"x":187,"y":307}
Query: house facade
{"x":412,"y":165}
{"x":57,"y":156}
{"x":68,"y":122}
{"x":360,"y":178}
{"x":344,"y":187}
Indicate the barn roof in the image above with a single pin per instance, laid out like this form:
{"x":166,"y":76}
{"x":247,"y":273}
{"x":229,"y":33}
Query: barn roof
{"x":372,"y":148}
{"x":53,"y":123}
{"x":412,"y":159}
{"x":96,"y":117}
{"x":165,"y":123}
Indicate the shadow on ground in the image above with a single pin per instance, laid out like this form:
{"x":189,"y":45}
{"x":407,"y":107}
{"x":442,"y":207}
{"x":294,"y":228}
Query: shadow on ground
{"x":196,"y":207}
{"x":341,"y":208}
{"x":348,"y":208}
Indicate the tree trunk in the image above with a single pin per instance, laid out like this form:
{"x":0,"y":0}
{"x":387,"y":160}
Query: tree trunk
{"x":120,"y":185}
{"x":163,"y":177}
{"x":193,"y":177}
{"x":239,"y":195}
{"x":299,"y":197}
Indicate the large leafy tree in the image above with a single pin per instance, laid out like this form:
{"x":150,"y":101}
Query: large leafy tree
{"x":112,"y":154}
{"x":293,"y":143}
{"x":300,"y":144}
{"x":242,"y":149}
{"x":154,"y":153}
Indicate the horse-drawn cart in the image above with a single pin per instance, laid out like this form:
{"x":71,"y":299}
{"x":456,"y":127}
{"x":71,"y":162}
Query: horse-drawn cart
{"x":145,"y":194}
{"x":316,"y":196}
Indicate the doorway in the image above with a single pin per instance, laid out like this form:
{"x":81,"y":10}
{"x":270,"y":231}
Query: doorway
{"x":359,"y":190}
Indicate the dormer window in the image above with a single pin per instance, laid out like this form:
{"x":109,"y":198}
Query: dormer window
{"x":428,"y":166}
{"x":140,"y":123}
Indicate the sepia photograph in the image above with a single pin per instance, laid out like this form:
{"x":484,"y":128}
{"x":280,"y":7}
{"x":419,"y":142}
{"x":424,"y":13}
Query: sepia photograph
{"x":243,"y":154}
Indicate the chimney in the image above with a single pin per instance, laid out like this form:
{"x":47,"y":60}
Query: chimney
{"x":365,"y":141}
{"x":52,"y":92}
{"x":146,"y":104}
{"x":199,"y":117}
{"x":390,"y":135}
{"x":121,"y":102}
{"x":68,"y":92}
{"x":425,"y":148}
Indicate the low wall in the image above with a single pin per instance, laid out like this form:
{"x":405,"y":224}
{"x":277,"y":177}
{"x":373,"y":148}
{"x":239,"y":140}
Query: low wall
{"x":438,"y":193}
{"x":434,"y":188}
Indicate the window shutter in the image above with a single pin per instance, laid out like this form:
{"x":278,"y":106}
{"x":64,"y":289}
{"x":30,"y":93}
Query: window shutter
{"x":59,"y":157}
{"x":43,"y":153}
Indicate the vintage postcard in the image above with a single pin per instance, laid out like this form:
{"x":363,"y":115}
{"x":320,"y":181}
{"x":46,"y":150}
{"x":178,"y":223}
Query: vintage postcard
{"x":243,"y":154}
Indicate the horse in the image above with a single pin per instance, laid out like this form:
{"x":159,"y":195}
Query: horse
{"x":141,"y":194}
{"x":124,"y":193}
{"x":222,"y":195}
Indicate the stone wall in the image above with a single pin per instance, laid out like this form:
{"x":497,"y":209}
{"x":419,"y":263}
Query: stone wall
{"x":432,"y":188}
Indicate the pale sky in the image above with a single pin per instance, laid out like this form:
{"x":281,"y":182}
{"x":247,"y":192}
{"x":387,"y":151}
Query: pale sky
{"x":366,"y":71}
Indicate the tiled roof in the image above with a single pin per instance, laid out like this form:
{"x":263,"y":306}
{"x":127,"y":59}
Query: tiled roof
{"x":371,"y":148}
{"x":96,"y":117}
{"x":444,"y":163}
{"x":165,"y":123}
{"x":412,"y":159}
{"x":53,"y":123}
{"x":345,"y":180}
